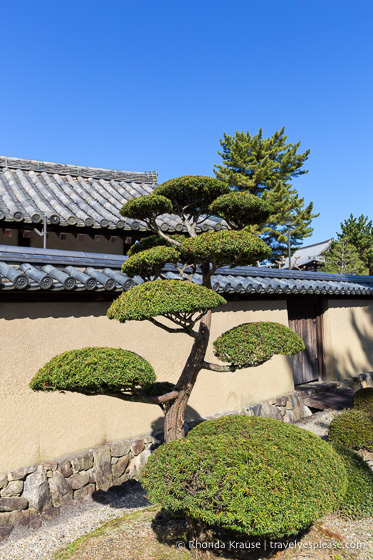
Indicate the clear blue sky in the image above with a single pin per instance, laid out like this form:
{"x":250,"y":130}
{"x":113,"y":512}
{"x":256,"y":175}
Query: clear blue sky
{"x":152,"y":85}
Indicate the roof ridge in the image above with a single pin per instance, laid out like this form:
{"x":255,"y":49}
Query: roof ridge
{"x":77,"y":170}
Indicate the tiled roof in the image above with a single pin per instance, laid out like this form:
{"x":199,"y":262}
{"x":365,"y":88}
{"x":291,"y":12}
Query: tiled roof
{"x":53,"y":270}
{"x":309,"y":254}
{"x":69,"y":195}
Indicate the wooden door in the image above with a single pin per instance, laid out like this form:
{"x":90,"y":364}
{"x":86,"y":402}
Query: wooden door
{"x":306,"y":320}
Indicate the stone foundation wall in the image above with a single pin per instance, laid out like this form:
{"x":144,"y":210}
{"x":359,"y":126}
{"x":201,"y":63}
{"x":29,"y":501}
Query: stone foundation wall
{"x":29,"y":495}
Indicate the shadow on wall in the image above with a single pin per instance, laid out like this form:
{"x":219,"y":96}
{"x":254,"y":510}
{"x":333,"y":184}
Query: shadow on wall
{"x":354,"y":354}
{"x":57,"y":310}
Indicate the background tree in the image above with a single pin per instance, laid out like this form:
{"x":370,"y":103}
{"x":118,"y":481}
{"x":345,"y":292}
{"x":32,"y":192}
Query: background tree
{"x":178,"y":306}
{"x":358,"y":232}
{"x":343,"y":258}
{"x":264,"y":167}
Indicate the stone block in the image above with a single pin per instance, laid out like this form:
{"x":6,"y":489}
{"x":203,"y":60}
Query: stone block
{"x":270,"y":411}
{"x":10,"y":518}
{"x":36,"y":490}
{"x":50,"y":465}
{"x":30,"y":519}
{"x":5,"y":531}
{"x":137,"y":464}
{"x":102,"y":468}
{"x":3,"y":480}
{"x":84,"y":492}
{"x":281,"y":401}
{"x":79,"y":480}
{"x":51,"y":513}
{"x":12,"y":504}
{"x":14,"y":488}
{"x":91,"y":475}
{"x":82,"y":462}
{"x":137,"y":445}
{"x":120,"y":448}
{"x":289,"y":417}
{"x":60,"y":489}
{"x":20,"y":474}
{"x":64,"y":467}
{"x":119,"y":467}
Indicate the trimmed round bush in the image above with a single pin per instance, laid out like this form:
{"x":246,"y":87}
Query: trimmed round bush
{"x":253,"y":475}
{"x":358,"y":499}
{"x":93,"y":368}
{"x":194,"y":191}
{"x":252,"y":344}
{"x":153,"y":241}
{"x":363,"y":400}
{"x":352,"y":428}
{"x":163,"y":297}
{"x":241,"y":209}
{"x":149,"y":205}
{"x":225,"y":248}
{"x":149,"y":264}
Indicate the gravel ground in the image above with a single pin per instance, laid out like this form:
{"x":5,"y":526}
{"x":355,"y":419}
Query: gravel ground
{"x":73,"y":522}
{"x":78,"y":520}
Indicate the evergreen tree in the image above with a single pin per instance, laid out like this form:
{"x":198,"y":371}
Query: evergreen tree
{"x":359,"y":233}
{"x":186,"y":306}
{"x":264,"y":167}
{"x":343,"y":258}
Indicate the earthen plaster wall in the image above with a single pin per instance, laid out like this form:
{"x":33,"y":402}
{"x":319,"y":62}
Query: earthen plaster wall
{"x":42,"y":426}
{"x":348,"y":337}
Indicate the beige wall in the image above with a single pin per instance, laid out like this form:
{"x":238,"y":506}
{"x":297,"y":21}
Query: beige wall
{"x":103,"y":245}
{"x":40,"y":426}
{"x":348,"y":337}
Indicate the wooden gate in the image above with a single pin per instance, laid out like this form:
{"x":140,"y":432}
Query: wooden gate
{"x":305,"y":318}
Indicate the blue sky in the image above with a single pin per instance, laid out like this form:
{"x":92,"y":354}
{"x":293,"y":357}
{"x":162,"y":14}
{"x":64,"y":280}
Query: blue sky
{"x":153,"y":85}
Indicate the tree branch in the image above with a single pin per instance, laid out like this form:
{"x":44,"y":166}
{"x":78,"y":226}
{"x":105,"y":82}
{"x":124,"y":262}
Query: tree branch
{"x":218,"y":367}
{"x":148,"y":399}
{"x":164,"y":327}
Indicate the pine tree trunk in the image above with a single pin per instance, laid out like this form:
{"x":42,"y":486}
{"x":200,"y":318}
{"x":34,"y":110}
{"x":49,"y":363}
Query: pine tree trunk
{"x":175,"y":410}
{"x":197,"y":534}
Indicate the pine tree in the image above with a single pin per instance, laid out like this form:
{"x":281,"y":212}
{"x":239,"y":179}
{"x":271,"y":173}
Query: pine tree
{"x":264,"y":167}
{"x":359,"y":233}
{"x":343,"y":258}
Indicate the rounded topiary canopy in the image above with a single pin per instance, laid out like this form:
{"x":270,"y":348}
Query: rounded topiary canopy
{"x":252,"y":344}
{"x":93,"y":369}
{"x":352,"y":428}
{"x":225,"y":248}
{"x":143,"y":207}
{"x":192,"y":192}
{"x":163,"y":297}
{"x":148,"y":264}
{"x":253,"y":475}
{"x":241,"y":209}
{"x":358,"y":499}
{"x":153,"y":241}
{"x":363,"y":400}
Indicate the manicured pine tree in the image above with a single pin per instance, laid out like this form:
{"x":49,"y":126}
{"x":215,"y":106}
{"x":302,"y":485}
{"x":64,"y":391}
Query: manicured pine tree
{"x":264,"y":167}
{"x":343,"y":258}
{"x":178,"y":306}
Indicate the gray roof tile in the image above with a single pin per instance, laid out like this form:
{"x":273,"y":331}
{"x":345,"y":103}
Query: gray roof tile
{"x":76,"y":196}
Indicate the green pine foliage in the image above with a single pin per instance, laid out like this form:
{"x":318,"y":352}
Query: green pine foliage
{"x":240,"y":209}
{"x":342,"y":258}
{"x":352,"y":428}
{"x":93,"y":369}
{"x":154,"y":241}
{"x":264,"y":167}
{"x":148,"y":264}
{"x":363,"y":400}
{"x":146,"y":207}
{"x":163,"y":297}
{"x":256,"y":476}
{"x":224,"y":248}
{"x":358,"y":232}
{"x":358,"y":499}
{"x":192,"y":195}
{"x":252,"y":344}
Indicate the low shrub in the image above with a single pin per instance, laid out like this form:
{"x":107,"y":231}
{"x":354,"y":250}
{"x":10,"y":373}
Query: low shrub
{"x":252,"y":475}
{"x":352,"y":428}
{"x":363,"y":400}
{"x":358,"y":499}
